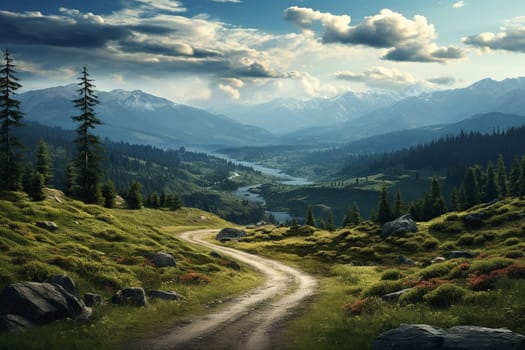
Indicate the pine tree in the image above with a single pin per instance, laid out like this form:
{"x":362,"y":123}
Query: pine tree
{"x":330,"y":222}
{"x":37,"y":187}
{"x":355,"y":215}
{"x":471,"y":188}
{"x":522,"y":177}
{"x":27,"y":178}
{"x":109,"y":194}
{"x":502,"y":177}
{"x":398,"y":206}
{"x":310,"y":220}
{"x":89,"y":145}
{"x":455,"y":203}
{"x":174,"y":202}
{"x":384,"y":213}
{"x":135,"y":199}
{"x":491,"y":186}
{"x":43,"y":164}
{"x":514,"y":178}
{"x":155,"y":200}
{"x":71,"y":184}
{"x":10,"y":118}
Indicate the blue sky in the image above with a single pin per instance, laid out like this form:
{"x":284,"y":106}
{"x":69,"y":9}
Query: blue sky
{"x":223,"y":52}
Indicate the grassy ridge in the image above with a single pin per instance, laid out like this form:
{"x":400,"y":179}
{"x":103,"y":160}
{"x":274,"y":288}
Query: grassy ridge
{"x":357,"y":267}
{"x":105,"y":250}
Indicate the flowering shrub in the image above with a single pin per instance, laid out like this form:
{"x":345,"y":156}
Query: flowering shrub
{"x":419,"y":290}
{"x":368,"y":305}
{"x":487,"y":281}
{"x":193,"y":278}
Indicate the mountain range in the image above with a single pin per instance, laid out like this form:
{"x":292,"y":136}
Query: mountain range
{"x":138,"y":117}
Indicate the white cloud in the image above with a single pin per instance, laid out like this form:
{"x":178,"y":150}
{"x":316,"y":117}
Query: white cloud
{"x":379,"y":77}
{"x":510,"y":38}
{"x":230,"y":91}
{"x":410,"y":40}
{"x":459,"y":4}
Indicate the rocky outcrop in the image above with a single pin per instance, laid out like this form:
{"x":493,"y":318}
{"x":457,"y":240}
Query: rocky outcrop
{"x":130,"y":296}
{"x":26,"y":303}
{"x":162,"y":295}
{"x":162,"y":259}
{"x":48,"y":225}
{"x":93,"y":300}
{"x":228,"y":234}
{"x":460,"y":254}
{"x":399,"y":226}
{"x":65,"y":281}
{"x":425,"y":337}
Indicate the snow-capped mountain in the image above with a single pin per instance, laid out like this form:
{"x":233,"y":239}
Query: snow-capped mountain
{"x":135,"y":116}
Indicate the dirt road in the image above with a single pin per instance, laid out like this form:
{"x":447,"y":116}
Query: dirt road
{"x":251,"y":321}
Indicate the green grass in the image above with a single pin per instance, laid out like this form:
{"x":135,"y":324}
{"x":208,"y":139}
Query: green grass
{"x":348,"y":312}
{"x":104,"y":250}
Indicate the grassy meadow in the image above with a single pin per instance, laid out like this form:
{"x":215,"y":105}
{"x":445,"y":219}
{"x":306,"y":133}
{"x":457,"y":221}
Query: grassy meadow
{"x":356,"y":267}
{"x":105,"y":250}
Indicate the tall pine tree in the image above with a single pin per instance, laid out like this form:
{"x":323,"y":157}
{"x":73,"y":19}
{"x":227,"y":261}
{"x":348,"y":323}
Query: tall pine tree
{"x":384,"y":213}
{"x":310,"y":220}
{"x":491,"y":186}
{"x":502,"y":177}
{"x":89,"y":145}
{"x":43,"y":164}
{"x":514,"y":178}
{"x":10,"y":118}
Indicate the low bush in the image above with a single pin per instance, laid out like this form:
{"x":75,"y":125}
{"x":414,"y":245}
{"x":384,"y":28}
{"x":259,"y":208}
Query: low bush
{"x":382,"y":288}
{"x":445,"y":296}
{"x":419,"y":290}
{"x":466,"y":239}
{"x":368,"y":305}
{"x":436,"y":270}
{"x":512,"y":241}
{"x":193,"y":278}
{"x":392,"y":274}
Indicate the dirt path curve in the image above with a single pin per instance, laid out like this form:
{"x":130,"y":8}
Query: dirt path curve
{"x":251,"y":321}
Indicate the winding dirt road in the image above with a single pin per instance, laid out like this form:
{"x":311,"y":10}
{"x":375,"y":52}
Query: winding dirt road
{"x":251,"y":321}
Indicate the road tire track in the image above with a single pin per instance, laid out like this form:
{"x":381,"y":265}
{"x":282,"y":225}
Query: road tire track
{"x":252,"y":320}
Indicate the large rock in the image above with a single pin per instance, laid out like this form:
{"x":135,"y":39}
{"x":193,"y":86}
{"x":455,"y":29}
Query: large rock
{"x":40,"y":303}
{"x":48,"y":225}
{"x":162,"y":295}
{"x":425,"y":337}
{"x":92,"y":300}
{"x":9,"y":323}
{"x":162,"y":259}
{"x":399,"y":226}
{"x":227,"y":234}
{"x":474,"y":219}
{"x":130,"y":296}
{"x":65,"y":281}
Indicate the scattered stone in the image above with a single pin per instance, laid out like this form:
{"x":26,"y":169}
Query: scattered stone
{"x":395,"y":295}
{"x":474,"y":219}
{"x":130,"y":296}
{"x":425,"y":337}
{"x":234,"y":265}
{"x":58,"y":200}
{"x":216,"y":255}
{"x":460,"y":254}
{"x":65,"y":281}
{"x":162,"y":259}
{"x":162,"y":295}
{"x":48,"y":225}
{"x":227,"y":234}
{"x":93,"y":300}
{"x":437,"y":259}
{"x":10,"y":323}
{"x":40,"y":303}
{"x":399,"y":226}
{"x":403,"y":260}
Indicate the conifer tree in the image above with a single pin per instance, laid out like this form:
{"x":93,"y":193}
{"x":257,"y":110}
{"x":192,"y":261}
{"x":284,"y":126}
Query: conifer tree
{"x":155,"y":200}
{"x":330,"y":222}
{"x":502,"y":177}
{"x":384,"y":213}
{"x":355,"y":215}
{"x":109,"y":194}
{"x":514,"y":178}
{"x":455,"y":203}
{"x":491,"y":186}
{"x":398,"y":206}
{"x":135,"y":198}
{"x":522,"y":176}
{"x":37,"y":187}
{"x":471,"y":188}
{"x":43,"y":164}
{"x":310,"y":220}
{"x":174,"y":202}
{"x":71,"y":185}
{"x":89,"y":149}
{"x":10,"y":118}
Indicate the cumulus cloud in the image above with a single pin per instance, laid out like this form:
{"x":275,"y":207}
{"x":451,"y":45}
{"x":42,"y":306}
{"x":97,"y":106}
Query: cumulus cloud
{"x":459,"y":4}
{"x":406,"y":39}
{"x":230,"y":91}
{"x":379,"y":77}
{"x":511,"y":37}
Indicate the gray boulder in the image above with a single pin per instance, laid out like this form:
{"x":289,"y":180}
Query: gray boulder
{"x":403,"y":260}
{"x":425,"y":337}
{"x":227,"y":234}
{"x":399,"y":226}
{"x":40,"y":303}
{"x":92,"y":300}
{"x":395,"y":295}
{"x":460,"y":254}
{"x":162,"y":259}
{"x":48,"y":225}
{"x":130,"y":296}
{"x":162,"y":295}
{"x":65,"y":281}
{"x":9,"y":323}
{"x":474,"y":219}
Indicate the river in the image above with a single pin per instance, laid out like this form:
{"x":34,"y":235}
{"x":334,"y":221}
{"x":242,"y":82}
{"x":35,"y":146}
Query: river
{"x":245,"y":193}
